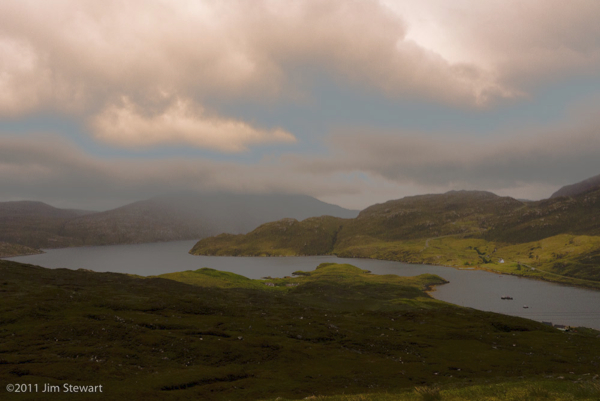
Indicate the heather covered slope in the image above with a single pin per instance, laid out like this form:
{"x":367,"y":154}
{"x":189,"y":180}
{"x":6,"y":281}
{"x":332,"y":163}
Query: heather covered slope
{"x":287,"y":237}
{"x":424,"y":216}
{"x":578,"y":215}
{"x":334,"y":330}
{"x":578,"y":188}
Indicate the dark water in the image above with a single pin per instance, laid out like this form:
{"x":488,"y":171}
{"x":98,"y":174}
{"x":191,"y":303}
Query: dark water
{"x":473,"y":288}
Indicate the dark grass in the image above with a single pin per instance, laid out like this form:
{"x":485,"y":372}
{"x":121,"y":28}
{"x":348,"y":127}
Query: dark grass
{"x":340,"y":331}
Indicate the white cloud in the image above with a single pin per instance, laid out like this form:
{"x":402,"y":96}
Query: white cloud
{"x":522,"y":42}
{"x":171,"y":59}
{"x":181,"y":123}
{"x":79,"y":57}
{"x":231,"y":48}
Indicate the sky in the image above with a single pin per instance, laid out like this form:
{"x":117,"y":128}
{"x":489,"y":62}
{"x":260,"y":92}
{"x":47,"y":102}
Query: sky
{"x":354,"y":102}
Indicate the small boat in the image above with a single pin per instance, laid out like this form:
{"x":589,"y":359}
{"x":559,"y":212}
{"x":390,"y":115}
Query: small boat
{"x":506,"y":297}
{"x":525,"y":307}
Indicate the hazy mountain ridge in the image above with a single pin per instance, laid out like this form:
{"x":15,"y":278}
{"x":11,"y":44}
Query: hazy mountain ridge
{"x":35,"y":224}
{"x":163,"y":218}
{"x":16,"y":209}
{"x":578,"y":188}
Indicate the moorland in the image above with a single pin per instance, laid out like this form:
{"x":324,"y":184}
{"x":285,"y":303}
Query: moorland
{"x":336,"y":332}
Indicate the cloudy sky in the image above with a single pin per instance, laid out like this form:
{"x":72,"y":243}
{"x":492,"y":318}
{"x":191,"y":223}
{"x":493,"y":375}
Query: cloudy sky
{"x":351,"y":101}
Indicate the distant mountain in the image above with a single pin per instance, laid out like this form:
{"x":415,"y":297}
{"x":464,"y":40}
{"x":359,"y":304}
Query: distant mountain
{"x":33,"y":209}
{"x":578,"y":188}
{"x":163,"y":218}
{"x":36,"y":224}
{"x":191,"y":216}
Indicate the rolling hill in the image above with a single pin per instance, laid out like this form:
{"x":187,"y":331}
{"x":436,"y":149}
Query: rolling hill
{"x":286,"y":237}
{"x":555,"y":239}
{"x":578,"y":188}
{"x":36,"y":224}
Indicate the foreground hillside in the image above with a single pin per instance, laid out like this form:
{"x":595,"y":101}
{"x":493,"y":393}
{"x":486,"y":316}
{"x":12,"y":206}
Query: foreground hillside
{"x":164,"y":218}
{"x":335,"y":330}
{"x":555,"y":239}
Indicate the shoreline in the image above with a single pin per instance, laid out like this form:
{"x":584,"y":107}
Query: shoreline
{"x":542,"y":275}
{"x":567,"y":281}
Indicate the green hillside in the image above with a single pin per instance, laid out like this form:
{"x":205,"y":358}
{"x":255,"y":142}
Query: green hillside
{"x":556,"y":239}
{"x":287,"y":237}
{"x":424,"y":216}
{"x":579,"y":215}
{"x":8,"y":250}
{"x":332,"y":331}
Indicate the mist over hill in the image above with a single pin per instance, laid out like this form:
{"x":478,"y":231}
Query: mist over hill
{"x":579,"y":187}
{"x":163,"y":218}
{"x":35,"y":224}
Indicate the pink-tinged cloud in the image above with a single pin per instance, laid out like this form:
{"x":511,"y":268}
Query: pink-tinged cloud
{"x":82,"y":57}
{"x":77,"y":56}
{"x":523,"y":42}
{"x":182,"y":123}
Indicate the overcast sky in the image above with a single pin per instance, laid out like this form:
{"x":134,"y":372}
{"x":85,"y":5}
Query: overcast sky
{"x":354,"y":102}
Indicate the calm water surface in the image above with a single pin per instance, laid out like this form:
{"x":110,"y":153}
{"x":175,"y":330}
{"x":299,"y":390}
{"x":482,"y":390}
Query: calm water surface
{"x":473,"y":288}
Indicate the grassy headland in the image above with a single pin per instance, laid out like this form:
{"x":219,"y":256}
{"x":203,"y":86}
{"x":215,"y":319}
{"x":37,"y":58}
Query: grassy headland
{"x":287,"y":237}
{"x":335,"y":330}
{"x":8,"y":250}
{"x":556,"y":239}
